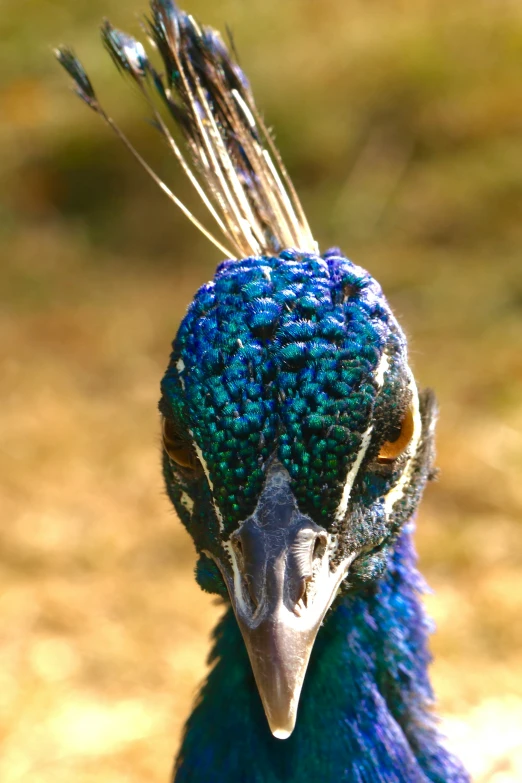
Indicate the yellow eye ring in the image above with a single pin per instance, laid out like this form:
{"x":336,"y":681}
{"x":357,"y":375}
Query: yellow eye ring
{"x":391,"y":449}
{"x":178,"y":449}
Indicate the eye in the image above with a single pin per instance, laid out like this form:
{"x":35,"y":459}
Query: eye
{"x":177,"y":446}
{"x":391,"y":449}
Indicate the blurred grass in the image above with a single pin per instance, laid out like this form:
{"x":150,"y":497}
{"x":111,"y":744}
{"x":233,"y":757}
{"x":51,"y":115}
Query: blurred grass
{"x":401,"y":124}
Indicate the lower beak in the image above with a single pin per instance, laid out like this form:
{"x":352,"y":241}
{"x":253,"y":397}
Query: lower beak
{"x":281,"y":585}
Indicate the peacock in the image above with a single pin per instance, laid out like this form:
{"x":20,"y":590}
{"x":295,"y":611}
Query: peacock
{"x":296,"y":447}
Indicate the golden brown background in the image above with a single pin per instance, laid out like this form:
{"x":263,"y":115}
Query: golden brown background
{"x":401,"y":123}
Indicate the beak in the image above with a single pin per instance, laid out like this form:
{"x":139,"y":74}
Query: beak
{"x":281,"y":583}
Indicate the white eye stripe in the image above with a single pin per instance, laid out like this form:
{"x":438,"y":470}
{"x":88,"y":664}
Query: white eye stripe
{"x":204,"y":465}
{"x":382,"y":369}
{"x":378,"y":376}
{"x":352,"y":475}
{"x":180,"y":366}
{"x":397,"y":491}
{"x":187,"y":502}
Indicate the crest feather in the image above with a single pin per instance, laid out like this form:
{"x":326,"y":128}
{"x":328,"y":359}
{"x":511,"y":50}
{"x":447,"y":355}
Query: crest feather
{"x":226,"y":150}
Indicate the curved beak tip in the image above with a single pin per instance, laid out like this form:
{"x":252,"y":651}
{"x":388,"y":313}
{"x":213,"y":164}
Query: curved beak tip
{"x":281,"y":734}
{"x":281,"y":725}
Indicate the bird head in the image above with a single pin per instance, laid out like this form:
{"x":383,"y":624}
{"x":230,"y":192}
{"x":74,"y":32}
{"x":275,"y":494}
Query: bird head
{"x":296,"y":446}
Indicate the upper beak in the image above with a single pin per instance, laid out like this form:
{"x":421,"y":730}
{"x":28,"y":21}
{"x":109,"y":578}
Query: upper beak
{"x":281,"y":584}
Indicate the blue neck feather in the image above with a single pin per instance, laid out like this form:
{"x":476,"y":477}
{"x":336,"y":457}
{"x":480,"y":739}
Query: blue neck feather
{"x":364,"y":715}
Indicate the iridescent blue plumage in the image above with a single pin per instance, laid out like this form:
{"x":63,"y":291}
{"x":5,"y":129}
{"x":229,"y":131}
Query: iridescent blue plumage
{"x":296,"y":449}
{"x":278,"y":350}
{"x":279,"y":354}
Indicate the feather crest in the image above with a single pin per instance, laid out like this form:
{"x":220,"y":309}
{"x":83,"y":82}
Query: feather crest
{"x":225,"y":149}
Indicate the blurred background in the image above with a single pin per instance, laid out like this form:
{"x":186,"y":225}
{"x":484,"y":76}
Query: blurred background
{"x":401,"y":124}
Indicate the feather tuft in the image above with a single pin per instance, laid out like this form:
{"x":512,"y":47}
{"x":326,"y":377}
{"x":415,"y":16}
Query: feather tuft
{"x":126,"y":52}
{"x":232,"y":161}
{"x":82,"y":83}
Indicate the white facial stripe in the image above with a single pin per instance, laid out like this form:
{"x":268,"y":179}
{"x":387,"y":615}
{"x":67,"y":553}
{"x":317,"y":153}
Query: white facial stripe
{"x":180,"y":366}
{"x":352,"y":475}
{"x":379,"y":374}
{"x":397,"y":491}
{"x":187,"y":502}
{"x":381,"y":370}
{"x":207,"y":474}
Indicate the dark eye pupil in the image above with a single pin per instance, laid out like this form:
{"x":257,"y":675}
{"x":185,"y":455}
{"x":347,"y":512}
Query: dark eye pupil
{"x":177,"y":447}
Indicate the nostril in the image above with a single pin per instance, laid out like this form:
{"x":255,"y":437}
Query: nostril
{"x":251,"y":592}
{"x":319,"y":546}
{"x":303,"y":595}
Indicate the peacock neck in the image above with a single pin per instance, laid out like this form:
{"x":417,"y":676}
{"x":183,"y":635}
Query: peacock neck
{"x":364,"y":715}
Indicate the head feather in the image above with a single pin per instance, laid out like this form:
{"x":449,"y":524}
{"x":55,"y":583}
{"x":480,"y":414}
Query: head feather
{"x":226,"y":150}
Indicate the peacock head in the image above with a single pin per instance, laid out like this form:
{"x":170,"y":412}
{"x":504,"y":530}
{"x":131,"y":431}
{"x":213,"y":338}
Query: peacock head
{"x":296,"y":444}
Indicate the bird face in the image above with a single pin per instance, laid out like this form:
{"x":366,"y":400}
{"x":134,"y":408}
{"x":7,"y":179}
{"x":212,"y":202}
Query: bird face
{"x":296,"y":446}
{"x":295,"y":442}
